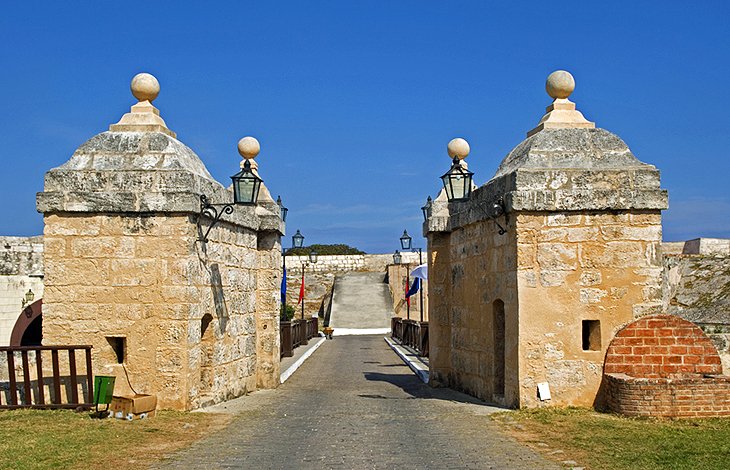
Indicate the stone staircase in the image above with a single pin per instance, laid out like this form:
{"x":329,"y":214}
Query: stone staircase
{"x":361,"y":304}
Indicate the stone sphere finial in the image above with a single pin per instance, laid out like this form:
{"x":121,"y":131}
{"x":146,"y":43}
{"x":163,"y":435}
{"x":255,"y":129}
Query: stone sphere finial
{"x":249,"y":147}
{"x":458,"y":148}
{"x":145,"y":87}
{"x":560,"y":84}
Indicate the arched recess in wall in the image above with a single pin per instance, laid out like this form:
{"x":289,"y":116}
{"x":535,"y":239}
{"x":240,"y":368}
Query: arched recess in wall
{"x":499,"y":347}
{"x":207,"y":345}
{"x":28,"y":329}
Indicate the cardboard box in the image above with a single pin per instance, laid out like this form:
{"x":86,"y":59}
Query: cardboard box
{"x":133,"y":406}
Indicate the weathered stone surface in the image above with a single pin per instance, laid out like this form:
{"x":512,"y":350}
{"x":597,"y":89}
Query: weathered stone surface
{"x":582,"y":230}
{"x":123,"y":229}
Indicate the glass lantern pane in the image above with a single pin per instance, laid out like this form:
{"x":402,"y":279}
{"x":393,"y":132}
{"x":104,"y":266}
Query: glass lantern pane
{"x":244,"y":190}
{"x":458,"y":184}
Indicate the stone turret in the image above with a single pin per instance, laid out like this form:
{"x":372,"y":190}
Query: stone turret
{"x":128,"y":270}
{"x":546,"y":261}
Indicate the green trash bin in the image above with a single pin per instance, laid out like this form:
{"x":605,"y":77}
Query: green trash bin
{"x":103,"y":392}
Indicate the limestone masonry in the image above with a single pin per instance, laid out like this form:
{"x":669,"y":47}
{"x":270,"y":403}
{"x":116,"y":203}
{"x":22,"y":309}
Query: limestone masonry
{"x":126,"y":272}
{"x":579,"y":258}
{"x":21,"y":270}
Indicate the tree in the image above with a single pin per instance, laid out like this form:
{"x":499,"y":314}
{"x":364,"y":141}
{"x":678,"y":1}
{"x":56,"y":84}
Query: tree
{"x":335,"y":249}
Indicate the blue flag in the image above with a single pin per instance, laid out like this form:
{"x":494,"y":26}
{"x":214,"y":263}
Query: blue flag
{"x":283,"y":287}
{"x":414,"y":288}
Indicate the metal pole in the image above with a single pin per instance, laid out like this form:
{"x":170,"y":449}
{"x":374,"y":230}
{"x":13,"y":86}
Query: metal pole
{"x":283,"y":300}
{"x":302,"y":292}
{"x":408,"y":302}
{"x":420,"y":281}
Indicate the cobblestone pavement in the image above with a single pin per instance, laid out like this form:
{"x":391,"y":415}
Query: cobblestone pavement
{"x":355,"y":405}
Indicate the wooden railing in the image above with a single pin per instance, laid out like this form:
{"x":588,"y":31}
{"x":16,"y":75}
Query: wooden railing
{"x":32,"y":385}
{"x":296,"y":333}
{"x":411,"y":333}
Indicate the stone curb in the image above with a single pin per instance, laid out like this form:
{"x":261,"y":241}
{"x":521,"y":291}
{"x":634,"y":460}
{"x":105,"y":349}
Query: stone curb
{"x":292,"y":368}
{"x":410,"y":358}
{"x":359,"y":331}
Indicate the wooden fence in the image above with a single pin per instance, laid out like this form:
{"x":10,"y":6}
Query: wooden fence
{"x":40,"y":387}
{"x":412,"y":333}
{"x":296,"y":333}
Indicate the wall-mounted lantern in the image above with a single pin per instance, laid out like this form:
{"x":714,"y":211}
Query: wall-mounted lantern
{"x":397,"y":258}
{"x":405,"y":241}
{"x":28,"y":298}
{"x":297,"y":240}
{"x":425,"y":209}
{"x":313,"y":257}
{"x":246,"y":186}
{"x":282,"y":210}
{"x":457,"y":181}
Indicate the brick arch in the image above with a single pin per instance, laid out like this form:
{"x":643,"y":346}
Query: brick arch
{"x":662,"y":346}
{"x":29,"y":314}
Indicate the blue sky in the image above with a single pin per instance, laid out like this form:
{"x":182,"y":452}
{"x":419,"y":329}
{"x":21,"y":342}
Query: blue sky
{"x":354,"y":102}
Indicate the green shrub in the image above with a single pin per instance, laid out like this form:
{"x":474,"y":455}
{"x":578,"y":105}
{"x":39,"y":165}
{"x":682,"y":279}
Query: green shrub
{"x":286,"y":314}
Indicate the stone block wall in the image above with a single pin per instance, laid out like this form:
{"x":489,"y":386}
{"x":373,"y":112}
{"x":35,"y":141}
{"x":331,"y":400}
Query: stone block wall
{"x":397,"y":274}
{"x":21,"y":269}
{"x":186,"y":312}
{"x":127,"y":270}
{"x":696,"y":287}
{"x":473,"y":286}
{"x":320,"y":276}
{"x":580,"y":271}
{"x":533,"y":275}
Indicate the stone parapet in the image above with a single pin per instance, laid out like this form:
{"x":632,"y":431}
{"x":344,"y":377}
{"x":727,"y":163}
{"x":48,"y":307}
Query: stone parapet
{"x":133,"y":172}
{"x":559,"y":170}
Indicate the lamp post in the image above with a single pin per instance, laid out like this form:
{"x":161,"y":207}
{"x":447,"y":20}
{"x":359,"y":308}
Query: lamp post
{"x":405,"y":243}
{"x":425,"y":209}
{"x":312,"y":259}
{"x":246,"y":186}
{"x":283,"y":211}
{"x":297,"y":240}
{"x":457,"y":181}
{"x":397,"y":259}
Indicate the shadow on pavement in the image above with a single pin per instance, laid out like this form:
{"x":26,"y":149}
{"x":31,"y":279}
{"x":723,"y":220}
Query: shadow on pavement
{"x":417,"y":389}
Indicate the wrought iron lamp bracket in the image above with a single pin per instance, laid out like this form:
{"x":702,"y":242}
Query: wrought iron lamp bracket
{"x":497,"y":210}
{"x":210,"y":210}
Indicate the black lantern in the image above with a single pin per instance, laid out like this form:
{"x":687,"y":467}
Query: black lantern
{"x":405,"y":241}
{"x":246,"y":185}
{"x":313,"y":257}
{"x":282,"y":210}
{"x":397,"y":257}
{"x":29,"y":296}
{"x":457,"y":182}
{"x":297,"y":240}
{"x":425,"y":209}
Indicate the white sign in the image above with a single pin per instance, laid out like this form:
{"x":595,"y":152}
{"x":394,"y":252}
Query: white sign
{"x":543,"y":391}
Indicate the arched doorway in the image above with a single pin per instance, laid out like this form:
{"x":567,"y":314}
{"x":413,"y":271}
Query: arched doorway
{"x":28,"y":329}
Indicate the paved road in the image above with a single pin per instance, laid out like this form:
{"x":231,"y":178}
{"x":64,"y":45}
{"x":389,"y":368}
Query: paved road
{"x":354,"y":405}
{"x":361,"y":301}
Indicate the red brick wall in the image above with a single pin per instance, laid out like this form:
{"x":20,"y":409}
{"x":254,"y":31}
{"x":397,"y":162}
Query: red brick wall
{"x":661,"y":366}
{"x":662,"y":346}
{"x":689,"y":397}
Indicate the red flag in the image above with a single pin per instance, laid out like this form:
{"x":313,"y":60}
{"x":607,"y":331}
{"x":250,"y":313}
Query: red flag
{"x":408,"y":298}
{"x":301,"y":290}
